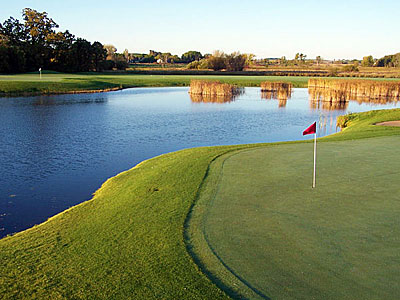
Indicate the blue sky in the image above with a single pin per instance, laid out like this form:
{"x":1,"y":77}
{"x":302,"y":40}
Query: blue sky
{"x":331,"y":29}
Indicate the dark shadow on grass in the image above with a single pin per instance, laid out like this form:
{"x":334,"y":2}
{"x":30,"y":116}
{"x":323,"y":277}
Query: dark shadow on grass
{"x":189,"y":248}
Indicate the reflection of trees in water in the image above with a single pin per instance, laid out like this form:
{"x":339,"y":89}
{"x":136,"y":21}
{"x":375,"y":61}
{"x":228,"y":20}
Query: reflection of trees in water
{"x":212,"y":98}
{"x":67,"y":100}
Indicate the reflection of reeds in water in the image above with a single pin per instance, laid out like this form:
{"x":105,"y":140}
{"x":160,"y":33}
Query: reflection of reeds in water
{"x":211,"y":98}
{"x":328,"y":105}
{"x":359,"y":90}
{"x":281,"y":91}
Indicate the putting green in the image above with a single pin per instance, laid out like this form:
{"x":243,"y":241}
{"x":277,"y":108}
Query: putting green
{"x":270,"y":235}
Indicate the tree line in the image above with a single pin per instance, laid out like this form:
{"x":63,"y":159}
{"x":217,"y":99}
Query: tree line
{"x":34,"y":43}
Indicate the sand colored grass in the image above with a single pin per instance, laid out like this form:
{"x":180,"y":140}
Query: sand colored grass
{"x":213,"y":88}
{"x":360,"y":90}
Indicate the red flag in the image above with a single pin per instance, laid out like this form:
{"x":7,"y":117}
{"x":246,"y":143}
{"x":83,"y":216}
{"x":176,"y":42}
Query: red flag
{"x":310,"y":130}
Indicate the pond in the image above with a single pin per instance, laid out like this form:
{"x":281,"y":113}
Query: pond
{"x":57,"y":150}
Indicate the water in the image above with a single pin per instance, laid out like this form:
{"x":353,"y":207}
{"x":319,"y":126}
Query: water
{"x":57,"y":150}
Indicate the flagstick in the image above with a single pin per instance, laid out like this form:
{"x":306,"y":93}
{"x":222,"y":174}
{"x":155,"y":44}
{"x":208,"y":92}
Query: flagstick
{"x":315,"y":158}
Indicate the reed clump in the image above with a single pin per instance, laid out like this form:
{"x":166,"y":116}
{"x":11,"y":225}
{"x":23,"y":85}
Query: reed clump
{"x":281,"y":91}
{"x":213,"y":88}
{"x":341,"y":90}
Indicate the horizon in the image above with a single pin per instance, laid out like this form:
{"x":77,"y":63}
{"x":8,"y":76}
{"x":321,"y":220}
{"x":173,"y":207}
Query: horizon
{"x":332,"y":30}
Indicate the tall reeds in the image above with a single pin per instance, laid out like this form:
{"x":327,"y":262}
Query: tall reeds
{"x":213,"y":91}
{"x":213,"y":88}
{"x":281,"y":91}
{"x":340,"y":90}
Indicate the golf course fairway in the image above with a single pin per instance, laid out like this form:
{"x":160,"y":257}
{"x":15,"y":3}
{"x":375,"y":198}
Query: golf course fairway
{"x":233,"y":221}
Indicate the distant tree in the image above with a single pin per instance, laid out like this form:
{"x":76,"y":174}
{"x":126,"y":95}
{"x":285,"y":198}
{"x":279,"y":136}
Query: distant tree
{"x":367,"y":61}
{"x":126,"y":54}
{"x":120,"y":62}
{"x":175,"y":59}
{"x":389,"y":61}
{"x":235,"y":61}
{"x":217,"y":60}
{"x":99,"y":54}
{"x":283,"y":61}
{"x":148,"y":59}
{"x":190,"y":56}
{"x":111,"y":50}
{"x":318,"y":59}
{"x":249,"y":59}
{"x":36,"y":44}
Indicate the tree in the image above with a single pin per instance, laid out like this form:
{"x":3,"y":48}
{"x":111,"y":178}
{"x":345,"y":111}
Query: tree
{"x":249,"y":59}
{"x":190,"y":56}
{"x":36,"y":44}
{"x":126,"y":55}
{"x":99,"y":54}
{"x":318,"y":59}
{"x":217,"y":60}
{"x":111,"y":50}
{"x":235,"y":61}
{"x":368,"y":61}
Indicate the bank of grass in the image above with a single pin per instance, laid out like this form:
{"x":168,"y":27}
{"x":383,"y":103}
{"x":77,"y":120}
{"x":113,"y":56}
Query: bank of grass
{"x":132,"y":240}
{"x":55,"y":83}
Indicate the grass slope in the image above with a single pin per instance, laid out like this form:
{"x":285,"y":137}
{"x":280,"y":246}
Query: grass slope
{"x":261,"y":232}
{"x":11,"y":85}
{"x":131,"y":240}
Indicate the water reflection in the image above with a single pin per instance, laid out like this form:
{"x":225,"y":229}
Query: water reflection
{"x":280,"y":91}
{"x":207,"y":98}
{"x":282,"y":97}
{"x":66,"y":100}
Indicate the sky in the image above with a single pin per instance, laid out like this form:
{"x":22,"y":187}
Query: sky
{"x":331,"y":29}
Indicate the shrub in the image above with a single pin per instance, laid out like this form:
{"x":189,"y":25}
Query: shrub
{"x":235,"y":61}
{"x":350,"y":68}
{"x":106,"y":65}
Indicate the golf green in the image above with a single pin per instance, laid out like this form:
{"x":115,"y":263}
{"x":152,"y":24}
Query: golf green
{"x":275,"y":237}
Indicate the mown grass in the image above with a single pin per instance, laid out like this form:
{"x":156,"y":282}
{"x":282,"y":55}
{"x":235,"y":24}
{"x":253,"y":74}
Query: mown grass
{"x":63,"y":83}
{"x":131,"y":240}
{"x":262,"y":232}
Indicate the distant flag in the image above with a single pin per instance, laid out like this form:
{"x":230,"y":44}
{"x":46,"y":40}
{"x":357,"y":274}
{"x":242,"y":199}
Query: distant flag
{"x":310,"y":130}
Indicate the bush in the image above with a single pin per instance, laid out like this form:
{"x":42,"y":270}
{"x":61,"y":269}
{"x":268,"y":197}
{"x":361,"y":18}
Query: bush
{"x":235,"y":62}
{"x":333,"y":72}
{"x":106,"y":65}
{"x":193,"y":65}
{"x":121,"y":64}
{"x":350,"y":68}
